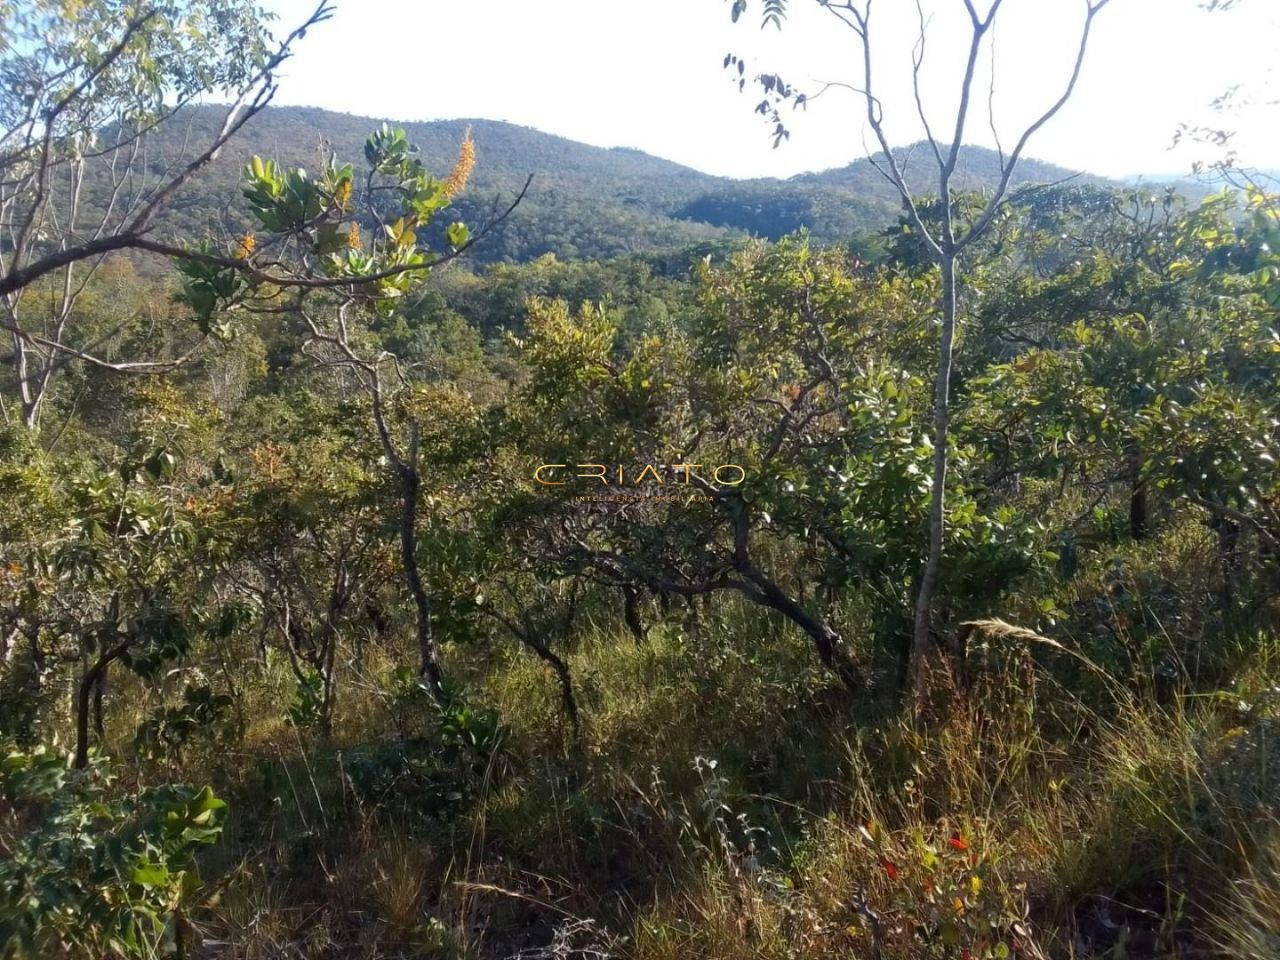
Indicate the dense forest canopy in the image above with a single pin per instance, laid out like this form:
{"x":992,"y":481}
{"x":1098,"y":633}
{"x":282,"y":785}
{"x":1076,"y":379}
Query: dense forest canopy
{"x":639,"y":564}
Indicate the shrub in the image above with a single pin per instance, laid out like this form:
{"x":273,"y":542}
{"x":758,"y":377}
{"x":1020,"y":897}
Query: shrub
{"x":92,"y":872}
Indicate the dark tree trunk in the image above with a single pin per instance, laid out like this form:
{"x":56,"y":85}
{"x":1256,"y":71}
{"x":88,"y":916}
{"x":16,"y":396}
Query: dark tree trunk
{"x":828,"y":643}
{"x":1228,"y":557}
{"x":631,"y":610}
{"x":84,"y":696}
{"x":99,"y":689}
{"x":1138,"y":511}
{"x":378,"y":617}
{"x":428,"y":656}
{"x":567,"y":698}
{"x":527,"y":632}
{"x":406,"y":471}
{"x":339,"y":594}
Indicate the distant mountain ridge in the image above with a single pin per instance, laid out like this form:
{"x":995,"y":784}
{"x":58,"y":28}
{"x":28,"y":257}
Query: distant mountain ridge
{"x":585,"y":201}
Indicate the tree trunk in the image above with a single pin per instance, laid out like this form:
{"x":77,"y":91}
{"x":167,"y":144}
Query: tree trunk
{"x":338,"y":596}
{"x":378,"y":617}
{"x":828,"y":643}
{"x":921,"y":635}
{"x":406,"y":471}
{"x":528,"y":633}
{"x":561,"y":669}
{"x":631,"y":611}
{"x":1228,"y":532}
{"x":428,"y":655}
{"x":30,"y":400}
{"x":99,"y":690}
{"x":692,"y":622}
{"x":84,"y":696}
{"x":328,"y":655}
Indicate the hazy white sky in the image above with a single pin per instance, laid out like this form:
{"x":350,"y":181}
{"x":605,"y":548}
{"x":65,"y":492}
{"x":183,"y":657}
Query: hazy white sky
{"x":650,"y":74}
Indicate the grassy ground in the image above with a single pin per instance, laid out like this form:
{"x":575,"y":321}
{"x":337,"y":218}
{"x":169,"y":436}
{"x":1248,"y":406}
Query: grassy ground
{"x":1109,"y":791}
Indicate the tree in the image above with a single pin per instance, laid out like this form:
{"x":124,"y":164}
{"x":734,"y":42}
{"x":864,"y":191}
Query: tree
{"x":1146,"y":361}
{"x":76,"y":182}
{"x":315,"y":265}
{"x":946,"y":242}
{"x":792,"y":365}
{"x":311,"y":264}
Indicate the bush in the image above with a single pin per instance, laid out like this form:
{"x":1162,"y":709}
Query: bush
{"x":90,"y":872}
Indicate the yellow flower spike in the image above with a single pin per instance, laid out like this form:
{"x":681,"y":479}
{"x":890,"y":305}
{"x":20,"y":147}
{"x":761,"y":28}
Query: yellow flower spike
{"x":342,"y":196}
{"x":353,"y":237}
{"x":244,"y":247}
{"x":462,"y":167}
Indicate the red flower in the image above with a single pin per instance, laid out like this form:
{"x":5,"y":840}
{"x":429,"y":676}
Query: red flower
{"x":890,"y":868}
{"x":957,"y":843}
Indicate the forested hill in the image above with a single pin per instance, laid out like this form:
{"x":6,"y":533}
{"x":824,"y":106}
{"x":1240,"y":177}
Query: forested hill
{"x":585,"y":201}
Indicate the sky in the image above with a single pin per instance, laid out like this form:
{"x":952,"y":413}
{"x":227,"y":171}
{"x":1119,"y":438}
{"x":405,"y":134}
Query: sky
{"x":649,"y":74}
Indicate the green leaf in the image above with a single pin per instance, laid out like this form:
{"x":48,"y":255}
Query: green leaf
{"x":205,"y":801}
{"x":457,"y":235}
{"x":148,"y":874}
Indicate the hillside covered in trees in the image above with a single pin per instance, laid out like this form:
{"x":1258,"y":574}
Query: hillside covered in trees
{"x":619,"y":572}
{"x":584,"y":202}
